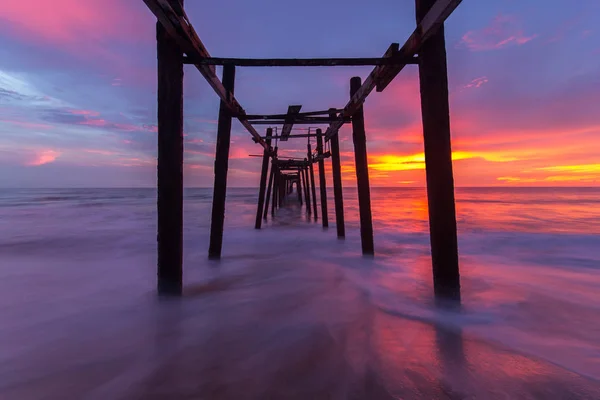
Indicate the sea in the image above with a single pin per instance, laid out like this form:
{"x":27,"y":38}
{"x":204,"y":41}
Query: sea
{"x":78,"y":309}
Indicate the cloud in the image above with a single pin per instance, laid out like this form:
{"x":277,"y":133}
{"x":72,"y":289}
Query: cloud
{"x":42,"y":157}
{"x":503,"y":31}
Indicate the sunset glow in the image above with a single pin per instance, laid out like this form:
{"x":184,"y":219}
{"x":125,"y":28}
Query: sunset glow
{"x":78,"y":85}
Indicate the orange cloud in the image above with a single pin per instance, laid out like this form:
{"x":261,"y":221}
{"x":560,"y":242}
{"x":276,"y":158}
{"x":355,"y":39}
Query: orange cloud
{"x":44,"y":157}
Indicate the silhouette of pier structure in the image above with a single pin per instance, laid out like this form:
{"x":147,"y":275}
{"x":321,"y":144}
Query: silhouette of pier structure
{"x":178,"y":44}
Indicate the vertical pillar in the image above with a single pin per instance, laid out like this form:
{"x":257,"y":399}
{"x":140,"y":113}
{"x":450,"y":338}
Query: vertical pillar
{"x":313,"y":189}
{"x":281,"y":186}
{"x":268,"y":196}
{"x":362,"y":173}
{"x":336,"y":168}
{"x":170,"y":164}
{"x":221,"y":166}
{"x":275,"y":189}
{"x":300,"y":186}
{"x":322,"y":183}
{"x":306,"y":188}
{"x":433,"y":77}
{"x":263,"y":181}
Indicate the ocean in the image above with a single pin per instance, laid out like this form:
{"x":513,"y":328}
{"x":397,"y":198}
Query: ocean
{"x":79,"y":317}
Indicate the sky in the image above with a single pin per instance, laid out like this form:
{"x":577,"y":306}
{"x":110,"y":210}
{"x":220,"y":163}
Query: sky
{"x":78,"y":89}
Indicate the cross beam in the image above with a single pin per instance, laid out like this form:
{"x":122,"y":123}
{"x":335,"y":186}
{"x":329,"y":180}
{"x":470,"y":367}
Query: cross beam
{"x":297,"y":62}
{"x":382,"y":75}
{"x":289,"y":122}
{"x":177,"y":24}
{"x":298,"y":115}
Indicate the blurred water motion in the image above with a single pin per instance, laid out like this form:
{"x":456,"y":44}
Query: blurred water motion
{"x":292,"y":312}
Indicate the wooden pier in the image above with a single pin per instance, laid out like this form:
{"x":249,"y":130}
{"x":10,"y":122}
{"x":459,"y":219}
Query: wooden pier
{"x":178,"y":44}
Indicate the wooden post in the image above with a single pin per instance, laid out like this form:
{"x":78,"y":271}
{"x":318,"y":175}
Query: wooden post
{"x":362,"y":173}
{"x":313,"y":189}
{"x":300,"y":187}
{"x":275,"y":190}
{"x":170,"y":164}
{"x":268,"y":196}
{"x":221,"y":166}
{"x":336,"y":169}
{"x":322,"y":183}
{"x":263,"y":182}
{"x":281,"y":186}
{"x":306,"y":188}
{"x":433,"y":77}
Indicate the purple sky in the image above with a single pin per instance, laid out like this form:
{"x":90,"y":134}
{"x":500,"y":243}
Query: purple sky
{"x":78,"y":89}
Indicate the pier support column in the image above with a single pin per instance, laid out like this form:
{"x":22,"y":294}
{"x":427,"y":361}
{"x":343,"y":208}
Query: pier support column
{"x":433,"y":77}
{"x":274,"y":204}
{"x":263,"y":181}
{"x":336,"y":168}
{"x":300,"y":186}
{"x":306,"y":188}
{"x":221,"y":166}
{"x":362,"y":173}
{"x":313,"y":189}
{"x":170,"y":164}
{"x":271,"y":183}
{"x":322,"y":182}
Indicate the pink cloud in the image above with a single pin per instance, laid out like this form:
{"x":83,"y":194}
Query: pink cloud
{"x":85,"y":112}
{"x":503,"y":31}
{"x":477,"y":82}
{"x":25,"y":124}
{"x":43,"y":157}
{"x":73,"y":21}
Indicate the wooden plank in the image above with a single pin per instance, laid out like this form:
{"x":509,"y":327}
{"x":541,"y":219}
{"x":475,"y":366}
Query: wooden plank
{"x":297,"y":62}
{"x":170,"y":165}
{"x":362,"y":174}
{"x":433,"y":77}
{"x":382,"y":75}
{"x":312,"y":180}
{"x":302,"y":121}
{"x":322,"y":180}
{"x":337,"y":185}
{"x":221,"y":166}
{"x":306,"y":189}
{"x":263,"y":183}
{"x":282,"y":116}
{"x":178,"y":26}
{"x":301,"y":135}
{"x":269,"y":187}
{"x":289,"y":122}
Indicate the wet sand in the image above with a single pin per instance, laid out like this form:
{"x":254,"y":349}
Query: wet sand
{"x":275,"y":332}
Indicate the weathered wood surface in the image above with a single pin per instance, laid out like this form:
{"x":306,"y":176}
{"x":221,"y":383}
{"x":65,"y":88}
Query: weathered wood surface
{"x":221,"y":167}
{"x":297,"y":62}
{"x":263,"y":182}
{"x":170,"y":164}
{"x":313,"y":189}
{"x":336,"y":170}
{"x":289,"y":121}
{"x":433,"y":77}
{"x":300,"y":121}
{"x":322,"y":180}
{"x":362,"y":173}
{"x":269,"y":187}
{"x":283,"y":116}
{"x":382,"y":75}
{"x":177,"y":24}
{"x":306,"y":188}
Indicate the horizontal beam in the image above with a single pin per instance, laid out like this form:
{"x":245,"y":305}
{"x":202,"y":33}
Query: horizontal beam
{"x":305,"y":121}
{"x":300,"y":135}
{"x":177,"y":24}
{"x":382,"y":75}
{"x":289,"y":121}
{"x":299,"y":115}
{"x":297,"y":62}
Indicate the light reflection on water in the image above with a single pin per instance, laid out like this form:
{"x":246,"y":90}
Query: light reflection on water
{"x":78,"y":270}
